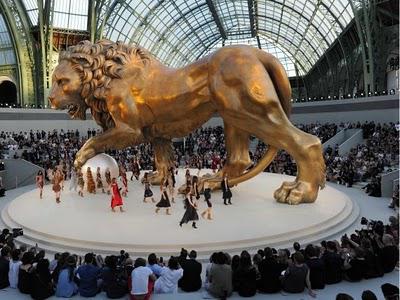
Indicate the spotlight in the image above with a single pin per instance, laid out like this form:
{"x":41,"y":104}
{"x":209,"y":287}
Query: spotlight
{"x":362,"y":94}
{"x":329,"y":97}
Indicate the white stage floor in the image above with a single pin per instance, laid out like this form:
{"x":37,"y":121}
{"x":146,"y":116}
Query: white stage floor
{"x":254,"y":220}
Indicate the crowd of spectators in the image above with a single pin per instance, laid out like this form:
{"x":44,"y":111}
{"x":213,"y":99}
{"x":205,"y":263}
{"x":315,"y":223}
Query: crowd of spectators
{"x":367,"y":253}
{"x":205,"y":148}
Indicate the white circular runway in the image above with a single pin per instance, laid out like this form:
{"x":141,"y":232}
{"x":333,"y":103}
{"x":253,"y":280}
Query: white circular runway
{"x":254,"y":220}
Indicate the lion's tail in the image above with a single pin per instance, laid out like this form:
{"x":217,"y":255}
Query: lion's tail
{"x":282,"y":87}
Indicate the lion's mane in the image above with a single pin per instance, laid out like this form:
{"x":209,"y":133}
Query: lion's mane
{"x":98,"y":64}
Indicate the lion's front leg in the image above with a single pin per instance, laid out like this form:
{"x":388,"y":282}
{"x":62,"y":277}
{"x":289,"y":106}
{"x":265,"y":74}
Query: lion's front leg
{"x":163,"y":159}
{"x":116,"y":138}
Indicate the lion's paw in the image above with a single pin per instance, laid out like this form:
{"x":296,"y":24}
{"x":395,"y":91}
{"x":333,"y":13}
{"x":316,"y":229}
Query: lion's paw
{"x":82,"y":156}
{"x":296,"y":192}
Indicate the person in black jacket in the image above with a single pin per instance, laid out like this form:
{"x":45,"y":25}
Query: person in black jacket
{"x":4,"y":267}
{"x":333,"y":264}
{"x":42,"y":284}
{"x":113,"y":284}
{"x":226,"y":191}
{"x":316,"y":266}
{"x":191,"y":280}
{"x":270,"y":271}
{"x":244,"y":278}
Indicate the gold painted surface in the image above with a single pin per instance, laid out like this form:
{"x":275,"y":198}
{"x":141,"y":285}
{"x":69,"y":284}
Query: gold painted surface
{"x":136,"y":99}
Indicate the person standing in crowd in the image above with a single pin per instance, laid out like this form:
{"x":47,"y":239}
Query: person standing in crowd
{"x":90,"y":185}
{"x":99,"y":181}
{"x":191,"y":279}
{"x":116,"y":199}
{"x":107,"y":174}
{"x":142,"y":280}
{"x":40,"y":183}
{"x":164,"y":202}
{"x":190,"y":211}
{"x":168,"y":280}
{"x":57,"y":182}
{"x":148,"y":193}
{"x":226,"y":191}
{"x":73,"y":183}
{"x":207,"y":213}
{"x":81,"y":183}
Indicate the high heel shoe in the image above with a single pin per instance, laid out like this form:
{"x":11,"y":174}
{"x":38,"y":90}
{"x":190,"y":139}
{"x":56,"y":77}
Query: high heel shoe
{"x":194,"y":225}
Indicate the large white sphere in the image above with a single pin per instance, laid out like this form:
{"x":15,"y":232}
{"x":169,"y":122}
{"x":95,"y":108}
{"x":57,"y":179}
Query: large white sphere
{"x":103,"y":161}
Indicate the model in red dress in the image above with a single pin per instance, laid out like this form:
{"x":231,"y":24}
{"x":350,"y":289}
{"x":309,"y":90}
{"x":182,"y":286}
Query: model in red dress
{"x":116,"y":199}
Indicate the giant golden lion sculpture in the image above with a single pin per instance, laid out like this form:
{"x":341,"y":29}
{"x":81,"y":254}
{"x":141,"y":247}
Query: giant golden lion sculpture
{"x":136,"y":99}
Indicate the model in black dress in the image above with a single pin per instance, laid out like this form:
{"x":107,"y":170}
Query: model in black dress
{"x":190,"y":211}
{"x":164,"y":202}
{"x":148,"y":193}
{"x":207,"y":196}
{"x":226,"y":191}
{"x":195,"y":188}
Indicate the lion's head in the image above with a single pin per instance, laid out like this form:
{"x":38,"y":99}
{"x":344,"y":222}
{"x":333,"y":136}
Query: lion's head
{"x":66,"y":91}
{"x":84,"y":73}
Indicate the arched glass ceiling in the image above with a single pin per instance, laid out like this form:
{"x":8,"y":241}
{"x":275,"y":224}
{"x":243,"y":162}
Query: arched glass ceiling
{"x":281,"y":54}
{"x":7,"y":55}
{"x":68,"y":14}
{"x":180,"y":31}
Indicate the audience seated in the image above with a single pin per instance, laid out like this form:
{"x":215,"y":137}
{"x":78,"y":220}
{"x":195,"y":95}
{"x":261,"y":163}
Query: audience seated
{"x":333,"y":264}
{"x":220,"y":277}
{"x":191,"y":280}
{"x":4,"y":267}
{"x":168,"y":280}
{"x":25,"y":273}
{"x":42,"y":284}
{"x":142,"y":280}
{"x":66,"y":285}
{"x":154,"y":264}
{"x":297,"y":276}
{"x":316,"y":267}
{"x":15,"y":264}
{"x":270,"y":271}
{"x":244,"y":277}
{"x":113,"y":282}
{"x":88,"y":275}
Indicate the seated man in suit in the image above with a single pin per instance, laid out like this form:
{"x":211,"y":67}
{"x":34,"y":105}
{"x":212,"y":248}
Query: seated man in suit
{"x":191,"y":281}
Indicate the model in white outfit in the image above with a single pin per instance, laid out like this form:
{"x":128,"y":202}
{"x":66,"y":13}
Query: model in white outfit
{"x":73,"y":184}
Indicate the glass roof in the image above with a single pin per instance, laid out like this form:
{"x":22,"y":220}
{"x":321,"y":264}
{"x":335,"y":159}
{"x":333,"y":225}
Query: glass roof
{"x":7,"y":55}
{"x":178,"y":32}
{"x":68,"y":14}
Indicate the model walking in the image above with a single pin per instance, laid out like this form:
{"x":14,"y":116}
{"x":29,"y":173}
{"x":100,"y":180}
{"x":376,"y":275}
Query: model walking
{"x":148,"y":193}
{"x":135,"y":169}
{"x":124,"y":180}
{"x":207,"y":196}
{"x":81,"y":183}
{"x":190,"y":211}
{"x":116,"y":199}
{"x":226,"y":191}
{"x":90,"y":185}
{"x":57,"y":182}
{"x":195,"y":188}
{"x":108,"y":180}
{"x":164,"y":202}
{"x":40,"y":182}
{"x":170,"y":186}
{"x":99,"y":182}
{"x":73,"y":184}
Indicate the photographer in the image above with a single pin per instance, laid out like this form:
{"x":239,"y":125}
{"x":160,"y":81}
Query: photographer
{"x":388,"y":252}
